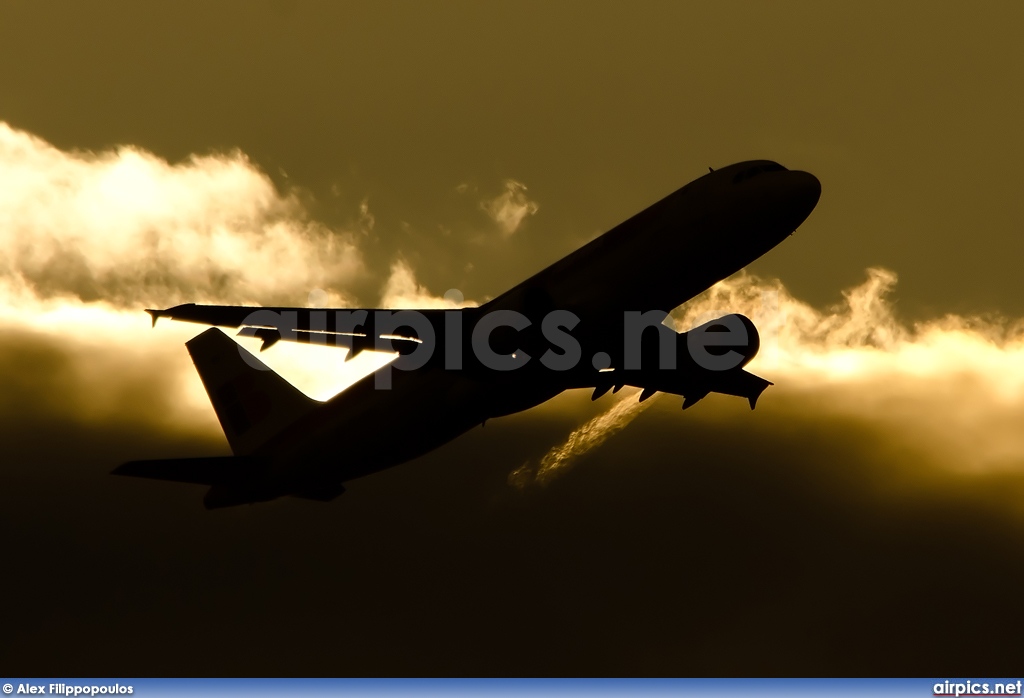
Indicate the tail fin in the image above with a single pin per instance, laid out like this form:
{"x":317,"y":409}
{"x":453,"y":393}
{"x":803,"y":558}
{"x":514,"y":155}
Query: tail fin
{"x":252,"y":402}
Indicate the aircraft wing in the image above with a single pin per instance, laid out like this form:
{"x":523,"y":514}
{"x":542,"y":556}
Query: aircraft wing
{"x":592,"y":281}
{"x":314,"y":319}
{"x":354,"y":328}
{"x":691,"y":388}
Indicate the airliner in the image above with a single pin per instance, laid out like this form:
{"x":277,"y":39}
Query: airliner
{"x":593,"y":320}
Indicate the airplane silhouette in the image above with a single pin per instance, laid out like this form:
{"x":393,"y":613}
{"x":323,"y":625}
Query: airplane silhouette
{"x":584,"y":322}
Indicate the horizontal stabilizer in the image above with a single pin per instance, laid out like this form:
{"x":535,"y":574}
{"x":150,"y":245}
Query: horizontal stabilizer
{"x":198,"y":471}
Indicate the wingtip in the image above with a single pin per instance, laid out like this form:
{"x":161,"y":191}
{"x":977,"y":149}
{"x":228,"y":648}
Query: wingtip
{"x":155,"y":314}
{"x":752,"y":399}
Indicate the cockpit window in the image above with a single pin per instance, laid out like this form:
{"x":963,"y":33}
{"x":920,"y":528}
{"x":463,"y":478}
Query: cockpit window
{"x":756,"y":170}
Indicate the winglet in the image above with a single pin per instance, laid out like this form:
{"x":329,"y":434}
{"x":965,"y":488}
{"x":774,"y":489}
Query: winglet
{"x":155,"y":314}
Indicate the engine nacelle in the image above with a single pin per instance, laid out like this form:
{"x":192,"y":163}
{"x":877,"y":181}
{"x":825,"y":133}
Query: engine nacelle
{"x":708,"y":358}
{"x":725,"y":343}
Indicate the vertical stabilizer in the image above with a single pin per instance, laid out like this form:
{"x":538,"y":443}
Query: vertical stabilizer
{"x":252,"y":402}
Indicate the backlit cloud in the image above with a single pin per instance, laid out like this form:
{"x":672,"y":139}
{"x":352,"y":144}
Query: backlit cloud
{"x":127,"y":227}
{"x":88,"y":239}
{"x":402,"y":291}
{"x":951,"y":389}
{"x":511,"y":207}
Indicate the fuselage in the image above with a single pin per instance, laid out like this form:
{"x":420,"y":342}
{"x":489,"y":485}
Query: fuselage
{"x":656,"y":260}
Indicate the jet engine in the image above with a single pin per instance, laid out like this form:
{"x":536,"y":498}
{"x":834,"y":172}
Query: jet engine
{"x":725,"y":343}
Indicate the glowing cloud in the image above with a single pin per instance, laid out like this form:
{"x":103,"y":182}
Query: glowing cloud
{"x":510,"y":208}
{"x":402,"y":291}
{"x":130,"y":228}
{"x":951,"y":389}
{"x":953,"y":386}
{"x":87,"y":240}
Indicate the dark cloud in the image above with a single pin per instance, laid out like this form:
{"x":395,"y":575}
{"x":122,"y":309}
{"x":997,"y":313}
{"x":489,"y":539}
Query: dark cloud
{"x":772,"y":543}
{"x":64,"y":399}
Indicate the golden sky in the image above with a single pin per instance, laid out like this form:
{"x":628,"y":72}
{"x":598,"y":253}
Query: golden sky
{"x":382,"y":153}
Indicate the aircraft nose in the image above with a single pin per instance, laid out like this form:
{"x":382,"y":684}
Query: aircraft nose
{"x":810,"y":190}
{"x":805,"y":192}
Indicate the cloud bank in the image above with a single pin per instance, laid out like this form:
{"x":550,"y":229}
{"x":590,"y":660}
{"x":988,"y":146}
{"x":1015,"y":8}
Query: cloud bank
{"x":126,"y":227}
{"x":88,"y":239}
{"x":951,"y":389}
